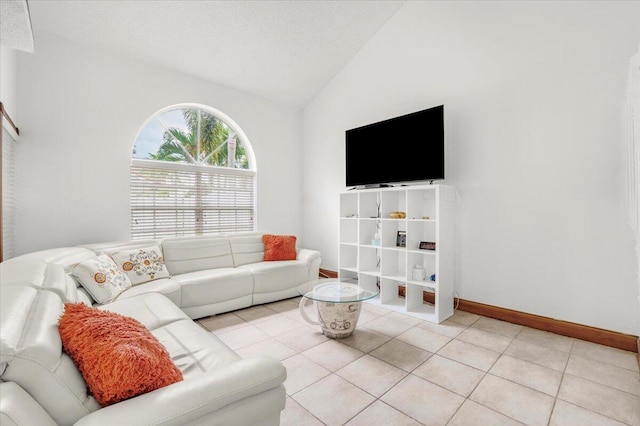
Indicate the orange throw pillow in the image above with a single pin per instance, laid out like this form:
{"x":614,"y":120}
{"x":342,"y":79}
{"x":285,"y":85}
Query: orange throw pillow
{"x":279,"y":247}
{"x":118,"y":356}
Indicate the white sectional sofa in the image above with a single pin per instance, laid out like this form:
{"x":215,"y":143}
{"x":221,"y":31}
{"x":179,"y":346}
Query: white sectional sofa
{"x":208,"y":275}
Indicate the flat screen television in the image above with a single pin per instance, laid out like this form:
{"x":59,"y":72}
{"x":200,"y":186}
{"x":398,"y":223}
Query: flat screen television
{"x":404,"y":149}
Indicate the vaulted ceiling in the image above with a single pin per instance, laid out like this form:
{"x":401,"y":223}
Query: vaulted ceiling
{"x":285,"y":51}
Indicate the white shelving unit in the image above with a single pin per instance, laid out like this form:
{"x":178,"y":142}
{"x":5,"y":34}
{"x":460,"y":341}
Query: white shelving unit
{"x":429,"y":210}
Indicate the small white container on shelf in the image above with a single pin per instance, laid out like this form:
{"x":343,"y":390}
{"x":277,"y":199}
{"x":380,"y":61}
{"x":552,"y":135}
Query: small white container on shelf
{"x":418,"y":273}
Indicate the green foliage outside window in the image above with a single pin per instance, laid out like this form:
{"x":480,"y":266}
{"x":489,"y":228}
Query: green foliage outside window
{"x":201,"y":139}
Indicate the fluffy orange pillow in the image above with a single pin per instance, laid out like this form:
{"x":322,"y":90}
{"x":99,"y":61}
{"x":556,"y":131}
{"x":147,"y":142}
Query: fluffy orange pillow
{"x":118,"y":356}
{"x":279,"y":247}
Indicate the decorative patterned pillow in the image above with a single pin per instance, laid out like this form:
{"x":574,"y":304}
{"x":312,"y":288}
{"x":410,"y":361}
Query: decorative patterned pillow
{"x":117,"y":355}
{"x":101,"y":277}
{"x":141,"y":265}
{"x":279,"y":247}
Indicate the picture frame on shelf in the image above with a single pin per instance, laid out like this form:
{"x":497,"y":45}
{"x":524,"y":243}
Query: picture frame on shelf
{"x":401,"y":239}
{"x":427,"y":245}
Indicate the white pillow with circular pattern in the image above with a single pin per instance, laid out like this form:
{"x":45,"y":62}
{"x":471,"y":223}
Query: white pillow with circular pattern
{"x":101,"y":278}
{"x":141,"y":265}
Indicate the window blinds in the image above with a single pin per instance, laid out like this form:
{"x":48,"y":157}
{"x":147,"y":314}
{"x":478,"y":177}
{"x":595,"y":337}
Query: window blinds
{"x":9,"y":193}
{"x":174,"y":199}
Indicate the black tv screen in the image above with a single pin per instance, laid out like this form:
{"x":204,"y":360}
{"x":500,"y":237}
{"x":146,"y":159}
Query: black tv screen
{"x":408,"y":148}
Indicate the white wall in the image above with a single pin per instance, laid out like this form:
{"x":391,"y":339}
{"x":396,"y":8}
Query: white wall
{"x":534,"y":96}
{"x":8,"y":81}
{"x":80,"y":111}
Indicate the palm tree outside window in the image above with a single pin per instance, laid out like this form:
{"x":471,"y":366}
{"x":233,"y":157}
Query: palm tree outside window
{"x":192,"y":172}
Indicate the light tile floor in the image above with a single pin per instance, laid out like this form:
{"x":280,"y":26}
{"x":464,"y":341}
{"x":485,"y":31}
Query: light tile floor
{"x":469,"y":370}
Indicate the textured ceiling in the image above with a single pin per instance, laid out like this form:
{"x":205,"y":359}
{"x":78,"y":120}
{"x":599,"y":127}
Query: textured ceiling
{"x":282,"y":50}
{"x":15,"y":25}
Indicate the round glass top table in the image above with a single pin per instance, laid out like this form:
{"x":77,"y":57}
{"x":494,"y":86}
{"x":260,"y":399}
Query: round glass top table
{"x":338,"y":305}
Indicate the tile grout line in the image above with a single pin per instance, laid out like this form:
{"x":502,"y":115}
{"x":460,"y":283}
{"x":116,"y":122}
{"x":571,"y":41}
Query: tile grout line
{"x":606,"y":363}
{"x":378,"y":398}
{"x":564,"y":371}
{"x":600,"y":384}
{"x":309,"y":412}
{"x":468,"y":398}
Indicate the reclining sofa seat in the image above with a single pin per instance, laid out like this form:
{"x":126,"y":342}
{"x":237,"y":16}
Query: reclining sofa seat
{"x":204,"y":268}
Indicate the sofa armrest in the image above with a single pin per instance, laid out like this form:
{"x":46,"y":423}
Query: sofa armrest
{"x":17,"y":407}
{"x":308,"y":255}
{"x":185,"y":401}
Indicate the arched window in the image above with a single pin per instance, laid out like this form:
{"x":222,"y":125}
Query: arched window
{"x":192,"y":172}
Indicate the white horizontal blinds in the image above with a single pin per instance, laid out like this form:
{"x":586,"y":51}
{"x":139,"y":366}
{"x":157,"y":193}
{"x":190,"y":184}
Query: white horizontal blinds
{"x":170,"y":199}
{"x":9,"y":194}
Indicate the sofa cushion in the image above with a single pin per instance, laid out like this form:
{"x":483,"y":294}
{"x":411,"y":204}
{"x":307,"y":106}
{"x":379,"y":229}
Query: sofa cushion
{"x":41,"y":275}
{"x":64,"y":256}
{"x":18,"y":408}
{"x":272,"y":277}
{"x":113,"y":246}
{"x":214,"y":285}
{"x":153,"y":310}
{"x":246,"y":248}
{"x":165,"y":286}
{"x":192,"y":348}
{"x":101,"y":277}
{"x":142,"y":264}
{"x":118,"y":357}
{"x":279,"y":247}
{"x":191,"y":254}
{"x":31,"y":353}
